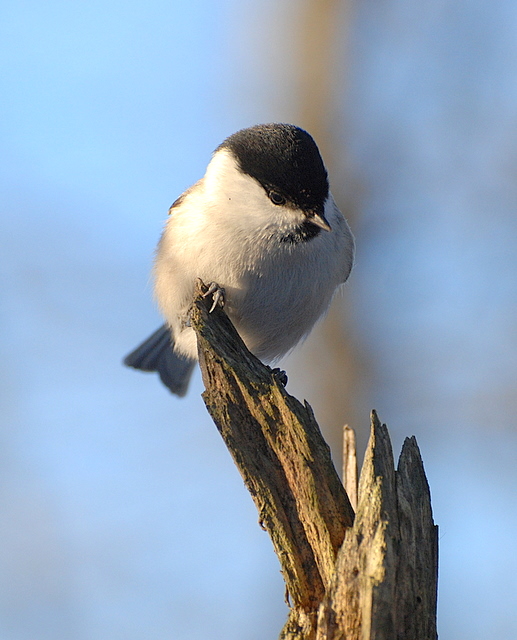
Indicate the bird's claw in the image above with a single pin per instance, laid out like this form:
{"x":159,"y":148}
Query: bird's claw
{"x":280,"y":375}
{"x":217,"y":293}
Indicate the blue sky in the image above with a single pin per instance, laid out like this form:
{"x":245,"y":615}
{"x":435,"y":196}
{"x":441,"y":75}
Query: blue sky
{"x":123,"y":515}
{"x":109,"y":111}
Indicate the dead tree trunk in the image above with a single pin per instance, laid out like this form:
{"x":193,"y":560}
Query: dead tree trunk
{"x":372,"y":577}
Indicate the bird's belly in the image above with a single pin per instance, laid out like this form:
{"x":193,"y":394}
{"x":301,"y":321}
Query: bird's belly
{"x":272,"y":315}
{"x":273,"y":297}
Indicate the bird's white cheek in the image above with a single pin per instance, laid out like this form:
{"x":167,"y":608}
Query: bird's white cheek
{"x":240,"y":202}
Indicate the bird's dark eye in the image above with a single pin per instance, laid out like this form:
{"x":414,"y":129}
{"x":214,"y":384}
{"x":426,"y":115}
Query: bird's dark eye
{"x":276,"y":198}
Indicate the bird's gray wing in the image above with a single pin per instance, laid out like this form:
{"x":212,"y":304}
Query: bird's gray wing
{"x":156,"y":354}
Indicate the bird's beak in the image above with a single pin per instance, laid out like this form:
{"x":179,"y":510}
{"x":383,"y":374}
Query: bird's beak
{"x":319,"y":220}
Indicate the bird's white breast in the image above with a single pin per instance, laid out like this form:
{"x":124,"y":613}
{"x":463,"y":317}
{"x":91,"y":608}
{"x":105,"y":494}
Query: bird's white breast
{"x":226,"y":230}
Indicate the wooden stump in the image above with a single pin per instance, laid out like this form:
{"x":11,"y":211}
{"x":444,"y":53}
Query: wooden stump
{"x":372,"y":577}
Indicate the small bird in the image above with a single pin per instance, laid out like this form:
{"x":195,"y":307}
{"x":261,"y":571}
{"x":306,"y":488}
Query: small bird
{"x":260,"y":226}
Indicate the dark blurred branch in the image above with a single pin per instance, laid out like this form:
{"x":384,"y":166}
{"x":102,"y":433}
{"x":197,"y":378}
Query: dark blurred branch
{"x":320,"y":45}
{"x":375,"y":577}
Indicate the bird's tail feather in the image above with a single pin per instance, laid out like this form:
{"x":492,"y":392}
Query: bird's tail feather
{"x":156,"y":354}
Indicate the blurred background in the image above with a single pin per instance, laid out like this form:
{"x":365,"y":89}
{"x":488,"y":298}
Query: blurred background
{"x":122,"y":515}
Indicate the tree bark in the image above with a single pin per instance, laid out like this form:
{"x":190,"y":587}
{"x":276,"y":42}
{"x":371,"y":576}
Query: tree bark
{"x":385,"y":582}
{"x":374,"y":577}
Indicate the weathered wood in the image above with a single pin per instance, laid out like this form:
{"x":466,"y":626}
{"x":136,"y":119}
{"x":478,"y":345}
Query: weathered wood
{"x":386,"y":575}
{"x":281,"y":454}
{"x":418,"y":556}
{"x":350,"y":465}
{"x":370,"y":578}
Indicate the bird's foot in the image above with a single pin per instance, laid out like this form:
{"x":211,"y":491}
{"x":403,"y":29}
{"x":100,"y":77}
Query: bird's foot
{"x":217,"y":293}
{"x":280,"y":375}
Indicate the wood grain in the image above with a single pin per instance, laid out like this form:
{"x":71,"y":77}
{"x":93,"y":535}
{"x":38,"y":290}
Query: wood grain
{"x":372,"y":576}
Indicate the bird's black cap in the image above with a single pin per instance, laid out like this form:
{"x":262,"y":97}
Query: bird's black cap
{"x":282,"y":158}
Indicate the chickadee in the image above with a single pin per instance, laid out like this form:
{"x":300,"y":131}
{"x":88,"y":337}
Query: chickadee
{"x":263,"y":225}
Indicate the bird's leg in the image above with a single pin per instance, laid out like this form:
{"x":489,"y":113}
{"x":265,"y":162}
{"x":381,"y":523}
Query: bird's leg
{"x":217,"y":293}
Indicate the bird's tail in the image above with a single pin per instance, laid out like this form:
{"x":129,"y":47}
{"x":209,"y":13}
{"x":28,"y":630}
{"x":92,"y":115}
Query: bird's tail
{"x":156,"y":354}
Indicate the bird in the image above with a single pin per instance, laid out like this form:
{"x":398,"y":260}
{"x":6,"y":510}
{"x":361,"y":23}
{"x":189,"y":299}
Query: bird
{"x":261,"y":227}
